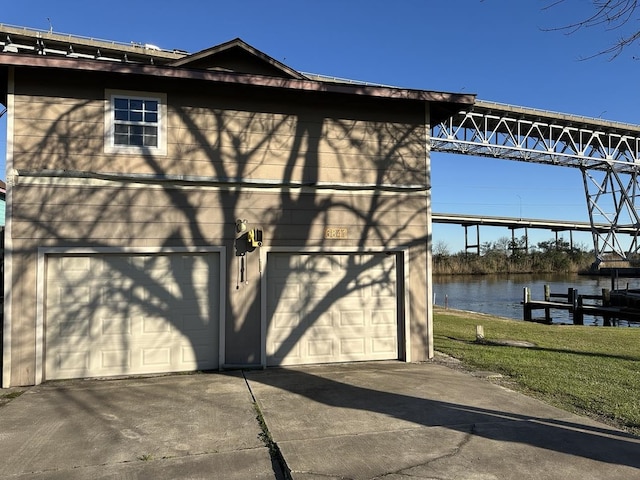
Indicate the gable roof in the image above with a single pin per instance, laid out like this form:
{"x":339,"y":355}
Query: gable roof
{"x":237,"y":56}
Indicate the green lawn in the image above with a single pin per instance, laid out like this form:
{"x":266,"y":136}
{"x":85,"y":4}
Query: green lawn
{"x":588,"y":370}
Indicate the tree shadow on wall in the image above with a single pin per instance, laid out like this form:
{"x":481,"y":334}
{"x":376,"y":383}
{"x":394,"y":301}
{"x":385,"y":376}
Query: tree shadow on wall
{"x":79,"y":197}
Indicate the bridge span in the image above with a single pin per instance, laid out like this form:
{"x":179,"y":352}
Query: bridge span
{"x":606,"y":153}
{"x":515,"y":223}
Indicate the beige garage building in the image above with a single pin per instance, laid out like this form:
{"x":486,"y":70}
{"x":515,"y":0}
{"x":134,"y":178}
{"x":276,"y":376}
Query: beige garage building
{"x":169,"y":212}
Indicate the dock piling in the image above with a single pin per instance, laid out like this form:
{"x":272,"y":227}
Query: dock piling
{"x":526,"y":302}
{"x":578,"y":313}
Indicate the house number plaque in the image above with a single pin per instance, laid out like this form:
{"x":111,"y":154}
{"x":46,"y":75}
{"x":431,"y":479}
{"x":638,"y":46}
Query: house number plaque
{"x":335,"y":233}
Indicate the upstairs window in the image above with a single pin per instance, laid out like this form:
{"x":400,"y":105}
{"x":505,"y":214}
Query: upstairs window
{"x":135,"y":123}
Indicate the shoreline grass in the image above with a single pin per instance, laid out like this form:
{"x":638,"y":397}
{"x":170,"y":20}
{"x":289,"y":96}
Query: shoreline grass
{"x":588,"y":370}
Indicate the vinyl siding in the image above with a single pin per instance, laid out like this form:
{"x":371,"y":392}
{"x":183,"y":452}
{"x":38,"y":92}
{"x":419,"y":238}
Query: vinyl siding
{"x":216,"y":134}
{"x":227,"y":137}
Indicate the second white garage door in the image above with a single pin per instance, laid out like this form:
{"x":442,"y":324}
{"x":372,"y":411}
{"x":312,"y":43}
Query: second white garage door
{"x":325,"y":308}
{"x":131,"y":314}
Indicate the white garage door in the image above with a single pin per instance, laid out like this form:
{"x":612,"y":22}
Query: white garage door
{"x":131,"y":314}
{"x":331,"y":308}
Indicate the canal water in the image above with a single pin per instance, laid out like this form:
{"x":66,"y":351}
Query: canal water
{"x":502,"y":294}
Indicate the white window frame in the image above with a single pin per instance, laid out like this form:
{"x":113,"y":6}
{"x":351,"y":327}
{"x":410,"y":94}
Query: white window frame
{"x":110,"y":122}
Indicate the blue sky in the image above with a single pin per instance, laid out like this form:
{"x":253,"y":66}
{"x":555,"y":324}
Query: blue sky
{"x":497,"y":49}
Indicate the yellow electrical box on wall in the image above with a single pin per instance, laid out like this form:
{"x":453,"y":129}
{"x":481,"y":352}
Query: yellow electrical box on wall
{"x":255,"y":237}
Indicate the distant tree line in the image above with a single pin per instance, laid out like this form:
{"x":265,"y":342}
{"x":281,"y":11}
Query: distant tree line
{"x":507,"y":255}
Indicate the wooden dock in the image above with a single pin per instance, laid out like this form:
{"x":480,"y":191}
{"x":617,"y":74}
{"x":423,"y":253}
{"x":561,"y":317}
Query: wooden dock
{"x":578,"y":306}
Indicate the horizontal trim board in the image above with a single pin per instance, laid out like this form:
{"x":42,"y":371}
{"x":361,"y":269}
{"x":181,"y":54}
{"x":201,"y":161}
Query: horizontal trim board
{"x":68,"y":178}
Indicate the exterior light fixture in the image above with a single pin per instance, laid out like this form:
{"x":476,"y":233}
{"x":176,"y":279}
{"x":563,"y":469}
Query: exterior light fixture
{"x":241,"y":226}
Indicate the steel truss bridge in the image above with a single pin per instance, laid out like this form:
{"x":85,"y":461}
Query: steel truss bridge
{"x":606,"y":153}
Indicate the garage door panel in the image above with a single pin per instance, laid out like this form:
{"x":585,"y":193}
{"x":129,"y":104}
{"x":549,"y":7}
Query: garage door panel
{"x":192,"y":354}
{"x":73,"y":295}
{"x":157,"y":294}
{"x":382,"y":345}
{"x":139,"y":314}
{"x":153,"y":325}
{"x":382,"y":290}
{"x":115,"y":326}
{"x":331,"y":308}
{"x":201,"y":305}
{"x":284,"y":289}
{"x":320,"y":349}
{"x":115,"y":359}
{"x":71,"y":329}
{"x":281,"y":350}
{"x":70,"y":363}
{"x":195,"y":292}
{"x":320,"y":264}
{"x":285,"y":321}
{"x":317,"y":289}
{"x":384,"y":317}
{"x":353,"y":300}
{"x":352,"y":346}
{"x":351,"y":318}
{"x":114,"y":312}
{"x":282,"y":265}
{"x":196,"y":323}
{"x":115,"y":293}
{"x":325,"y":319}
{"x":156,"y":357}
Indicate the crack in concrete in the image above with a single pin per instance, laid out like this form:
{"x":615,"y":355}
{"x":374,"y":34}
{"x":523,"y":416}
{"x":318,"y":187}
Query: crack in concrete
{"x":404,"y":471}
{"x":280,"y":468}
{"x":455,"y":452}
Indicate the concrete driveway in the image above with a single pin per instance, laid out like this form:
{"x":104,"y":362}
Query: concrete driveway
{"x":349,"y":421}
{"x":183,"y":426}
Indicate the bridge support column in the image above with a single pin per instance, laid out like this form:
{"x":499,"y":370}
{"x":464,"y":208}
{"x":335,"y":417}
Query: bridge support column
{"x":467,"y":245}
{"x":514,"y":244}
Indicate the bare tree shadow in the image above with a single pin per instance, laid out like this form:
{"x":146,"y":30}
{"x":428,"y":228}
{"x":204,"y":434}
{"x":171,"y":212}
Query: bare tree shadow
{"x":347,"y":389}
{"x":291,"y":164}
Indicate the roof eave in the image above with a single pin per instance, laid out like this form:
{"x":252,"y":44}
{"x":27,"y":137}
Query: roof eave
{"x":457,"y":100}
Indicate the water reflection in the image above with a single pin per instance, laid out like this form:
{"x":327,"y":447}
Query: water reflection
{"x":501,"y":294}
